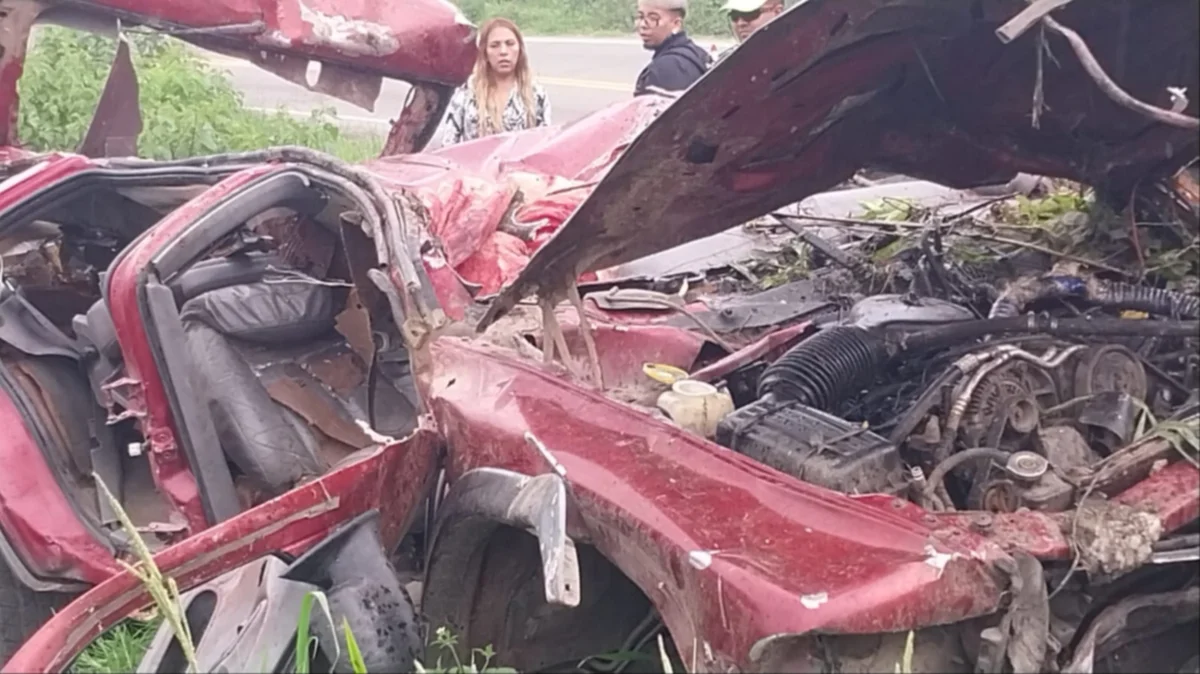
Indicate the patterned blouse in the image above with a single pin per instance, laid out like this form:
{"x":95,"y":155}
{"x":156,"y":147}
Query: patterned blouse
{"x":462,"y":118}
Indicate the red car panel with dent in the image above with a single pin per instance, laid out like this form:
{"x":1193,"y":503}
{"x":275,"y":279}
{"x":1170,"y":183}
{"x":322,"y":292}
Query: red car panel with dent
{"x":415,"y":39}
{"x":38,"y":520}
{"x":426,"y":42}
{"x":657,"y":501}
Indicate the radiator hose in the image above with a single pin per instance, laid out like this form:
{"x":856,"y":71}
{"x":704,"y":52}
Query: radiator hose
{"x":1108,"y":294}
{"x":823,"y":369}
{"x":1143,"y":298}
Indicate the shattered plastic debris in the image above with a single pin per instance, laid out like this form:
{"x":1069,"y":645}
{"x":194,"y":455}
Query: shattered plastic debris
{"x":938,"y":560}
{"x":700,"y":559}
{"x":374,"y":435}
{"x":815,"y":600}
{"x":1114,"y":538}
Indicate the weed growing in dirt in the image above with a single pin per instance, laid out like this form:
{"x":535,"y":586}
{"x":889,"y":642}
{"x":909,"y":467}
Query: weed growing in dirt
{"x":906,"y":660}
{"x":120,"y":650}
{"x":122,"y":647}
{"x":189,"y":108}
{"x":447,"y":641}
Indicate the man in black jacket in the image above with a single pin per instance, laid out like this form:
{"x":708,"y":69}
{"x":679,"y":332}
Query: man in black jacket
{"x":677,"y":60}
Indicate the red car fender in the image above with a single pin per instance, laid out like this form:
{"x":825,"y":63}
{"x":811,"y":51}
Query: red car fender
{"x":731,"y":552}
{"x":656,"y":501}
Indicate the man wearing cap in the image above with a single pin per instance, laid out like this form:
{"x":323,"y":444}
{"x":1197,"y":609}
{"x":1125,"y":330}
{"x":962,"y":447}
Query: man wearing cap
{"x":677,"y":61}
{"x":747,"y":16}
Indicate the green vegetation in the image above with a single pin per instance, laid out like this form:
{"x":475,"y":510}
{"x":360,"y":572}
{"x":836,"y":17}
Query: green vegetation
{"x":588,"y":17}
{"x":189,"y":108}
{"x":120,"y":650}
{"x":122,"y":647}
{"x":480,"y":661}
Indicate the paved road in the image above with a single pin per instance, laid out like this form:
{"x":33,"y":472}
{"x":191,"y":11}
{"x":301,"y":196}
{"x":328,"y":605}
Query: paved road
{"x":581,"y":75}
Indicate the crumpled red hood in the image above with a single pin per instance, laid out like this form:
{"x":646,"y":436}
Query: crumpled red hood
{"x":919,"y":87}
{"x":467,"y":190}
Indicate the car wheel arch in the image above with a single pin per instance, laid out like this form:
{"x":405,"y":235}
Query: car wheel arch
{"x":484,"y":584}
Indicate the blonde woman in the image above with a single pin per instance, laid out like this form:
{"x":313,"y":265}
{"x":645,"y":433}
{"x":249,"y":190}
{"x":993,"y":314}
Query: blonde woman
{"x":501,"y":95}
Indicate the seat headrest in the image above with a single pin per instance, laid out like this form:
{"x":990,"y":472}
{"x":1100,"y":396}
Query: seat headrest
{"x":276,"y":312}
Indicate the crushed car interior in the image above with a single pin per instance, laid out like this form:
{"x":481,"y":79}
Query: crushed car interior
{"x":61,"y":352}
{"x":248,"y":299}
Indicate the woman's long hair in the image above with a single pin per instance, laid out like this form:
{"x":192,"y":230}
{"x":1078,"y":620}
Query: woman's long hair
{"x":483,"y":80}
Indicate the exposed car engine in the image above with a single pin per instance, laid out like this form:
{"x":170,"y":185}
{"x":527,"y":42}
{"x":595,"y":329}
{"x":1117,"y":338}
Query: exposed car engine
{"x":917,"y":396}
{"x":814,"y":446}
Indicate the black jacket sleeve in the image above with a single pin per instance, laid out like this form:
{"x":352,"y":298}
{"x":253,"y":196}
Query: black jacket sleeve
{"x":671,"y":71}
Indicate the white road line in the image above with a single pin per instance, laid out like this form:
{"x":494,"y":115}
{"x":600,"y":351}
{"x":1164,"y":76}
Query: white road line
{"x":632,"y":41}
{"x":239,"y":64}
{"x":585,"y":84}
{"x":356,"y":119}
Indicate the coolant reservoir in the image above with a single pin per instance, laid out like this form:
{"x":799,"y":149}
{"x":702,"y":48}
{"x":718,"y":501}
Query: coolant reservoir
{"x":696,"y":406}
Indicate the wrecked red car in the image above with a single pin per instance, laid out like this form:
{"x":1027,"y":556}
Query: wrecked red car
{"x":319,"y":363}
{"x":67,"y":381}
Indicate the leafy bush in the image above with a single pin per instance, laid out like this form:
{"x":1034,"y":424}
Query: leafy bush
{"x":585,"y":17}
{"x":188,"y":107}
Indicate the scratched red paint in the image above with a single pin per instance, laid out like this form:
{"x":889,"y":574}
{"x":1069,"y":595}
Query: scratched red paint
{"x":774,"y":551}
{"x":414,"y":40}
{"x":430,"y":41}
{"x":616,"y":458}
{"x":465,"y":189}
{"x":35,"y":515}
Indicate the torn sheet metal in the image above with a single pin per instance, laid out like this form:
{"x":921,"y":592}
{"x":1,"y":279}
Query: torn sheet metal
{"x":943,"y":105}
{"x":117,"y":122}
{"x":356,"y":43}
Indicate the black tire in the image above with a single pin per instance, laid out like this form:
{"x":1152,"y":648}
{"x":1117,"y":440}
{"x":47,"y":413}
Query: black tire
{"x":23,"y":611}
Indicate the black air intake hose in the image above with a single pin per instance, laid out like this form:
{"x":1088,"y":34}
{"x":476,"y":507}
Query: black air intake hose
{"x":1144,"y":298}
{"x":823,"y":369}
{"x":1109,"y":294}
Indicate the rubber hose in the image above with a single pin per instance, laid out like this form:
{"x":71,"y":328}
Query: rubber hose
{"x":1144,"y":298}
{"x":918,"y":410}
{"x":1005,"y":307}
{"x":944,"y":336}
{"x":1026,"y":291}
{"x":1097,"y":291}
{"x":823,"y":369}
{"x":950,"y":463}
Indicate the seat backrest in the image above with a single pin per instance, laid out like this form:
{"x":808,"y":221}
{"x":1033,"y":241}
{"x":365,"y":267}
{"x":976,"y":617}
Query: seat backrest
{"x":208,"y":275}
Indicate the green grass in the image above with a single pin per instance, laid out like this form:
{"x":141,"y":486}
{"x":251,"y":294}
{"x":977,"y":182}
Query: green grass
{"x":120,"y":650}
{"x":588,"y":17}
{"x":189,"y":108}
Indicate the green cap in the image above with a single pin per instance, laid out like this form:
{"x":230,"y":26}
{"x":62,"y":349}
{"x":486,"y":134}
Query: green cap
{"x":743,"y":5}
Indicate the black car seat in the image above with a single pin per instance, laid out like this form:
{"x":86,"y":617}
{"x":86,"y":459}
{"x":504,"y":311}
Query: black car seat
{"x":286,"y":390}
